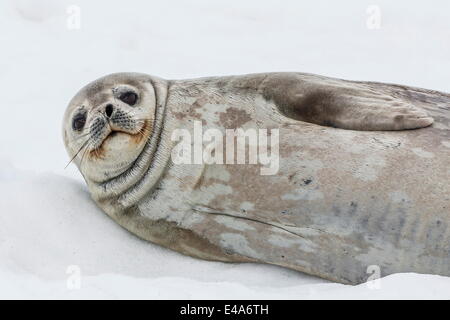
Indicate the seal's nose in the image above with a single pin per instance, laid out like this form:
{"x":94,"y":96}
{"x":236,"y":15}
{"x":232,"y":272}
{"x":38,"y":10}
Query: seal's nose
{"x":109,"y":110}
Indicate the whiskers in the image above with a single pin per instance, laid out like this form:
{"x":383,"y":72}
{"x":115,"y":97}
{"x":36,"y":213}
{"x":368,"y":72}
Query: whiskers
{"x":145,"y":130}
{"x":84,"y":146}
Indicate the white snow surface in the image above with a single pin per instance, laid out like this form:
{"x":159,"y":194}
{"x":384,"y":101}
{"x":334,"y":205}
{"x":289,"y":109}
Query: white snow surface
{"x":49,"y":224}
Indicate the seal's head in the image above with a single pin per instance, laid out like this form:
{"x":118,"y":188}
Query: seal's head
{"x":108,"y":123}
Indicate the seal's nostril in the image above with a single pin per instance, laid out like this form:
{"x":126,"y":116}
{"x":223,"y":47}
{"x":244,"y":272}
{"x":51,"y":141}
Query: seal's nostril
{"x":109,"y":110}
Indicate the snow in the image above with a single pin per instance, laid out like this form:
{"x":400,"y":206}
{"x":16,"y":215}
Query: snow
{"x":50,"y":229}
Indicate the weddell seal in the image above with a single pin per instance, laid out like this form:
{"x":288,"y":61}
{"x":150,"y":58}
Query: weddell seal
{"x":339,"y":184}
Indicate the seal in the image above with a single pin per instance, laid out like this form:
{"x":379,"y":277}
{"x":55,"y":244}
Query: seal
{"x":353,"y":186}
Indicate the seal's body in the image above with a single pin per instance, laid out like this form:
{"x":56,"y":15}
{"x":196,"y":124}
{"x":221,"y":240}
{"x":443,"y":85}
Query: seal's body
{"x":338,"y":202}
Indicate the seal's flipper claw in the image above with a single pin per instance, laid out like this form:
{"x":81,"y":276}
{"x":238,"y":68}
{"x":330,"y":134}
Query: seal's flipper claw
{"x":357,"y":111}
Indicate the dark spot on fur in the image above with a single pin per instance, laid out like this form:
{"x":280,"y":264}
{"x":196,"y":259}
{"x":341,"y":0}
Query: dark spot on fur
{"x":234,"y":118}
{"x":399,"y":118}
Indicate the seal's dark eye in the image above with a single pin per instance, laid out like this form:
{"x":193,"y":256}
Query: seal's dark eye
{"x":78,"y":121}
{"x":129,"y":98}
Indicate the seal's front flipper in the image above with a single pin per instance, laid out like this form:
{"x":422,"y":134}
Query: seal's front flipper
{"x":359,"y":108}
{"x":342,"y":104}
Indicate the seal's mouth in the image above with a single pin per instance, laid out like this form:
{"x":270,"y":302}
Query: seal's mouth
{"x":98,"y":151}
{"x":136,"y":136}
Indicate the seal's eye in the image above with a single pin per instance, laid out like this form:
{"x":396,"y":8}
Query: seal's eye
{"x":78,"y":121}
{"x":129,"y":98}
